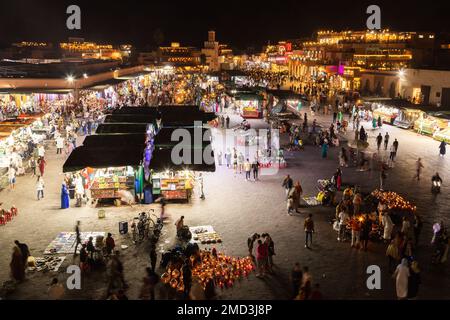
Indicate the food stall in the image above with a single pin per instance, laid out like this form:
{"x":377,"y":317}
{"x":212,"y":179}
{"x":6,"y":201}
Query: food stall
{"x":17,"y":138}
{"x":173,"y":185}
{"x":386,"y":113}
{"x":115,"y":172}
{"x":427,"y":124}
{"x":443,"y":121}
{"x":175,"y":180}
{"x":407,"y":117}
{"x":249,"y":105}
{"x":108,"y":182}
{"x":42,"y":127}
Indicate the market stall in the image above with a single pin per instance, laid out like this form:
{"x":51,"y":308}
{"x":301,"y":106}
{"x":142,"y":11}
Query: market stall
{"x":429,"y":125}
{"x":442,"y":135}
{"x":121,"y":128}
{"x":175,"y":180}
{"x":407,"y":117}
{"x":114,"y":173}
{"x":173,"y":185}
{"x":442,"y":132}
{"x":109,"y":182}
{"x":249,"y":105}
{"x":386,"y":113}
{"x":18,"y":140}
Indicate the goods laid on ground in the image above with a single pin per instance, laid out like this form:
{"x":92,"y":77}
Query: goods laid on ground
{"x":204,"y":235}
{"x":65,"y":242}
{"x":312,"y":201}
{"x":49,"y":263}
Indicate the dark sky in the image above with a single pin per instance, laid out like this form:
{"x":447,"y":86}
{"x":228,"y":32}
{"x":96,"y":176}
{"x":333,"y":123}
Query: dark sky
{"x":239,"y":22}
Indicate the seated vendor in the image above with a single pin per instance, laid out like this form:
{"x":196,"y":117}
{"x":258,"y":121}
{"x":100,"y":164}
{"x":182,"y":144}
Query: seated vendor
{"x":179,"y":224}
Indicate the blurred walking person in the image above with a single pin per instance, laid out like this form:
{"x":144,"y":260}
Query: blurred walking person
{"x":419,"y":167}
{"x":401,"y":276}
{"x":442,"y":149}
{"x":40,"y":187}
{"x":309,"y":230}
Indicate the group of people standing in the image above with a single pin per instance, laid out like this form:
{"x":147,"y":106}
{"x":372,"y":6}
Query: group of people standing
{"x":240,"y":164}
{"x":264,"y":252}
{"x":293,"y":194}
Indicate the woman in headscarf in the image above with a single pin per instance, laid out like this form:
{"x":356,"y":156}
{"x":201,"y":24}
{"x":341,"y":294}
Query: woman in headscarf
{"x":325,"y":149}
{"x":414,"y":280}
{"x":64,"y":197}
{"x":17,"y":266}
{"x":401,"y":276}
{"x":388,"y":226}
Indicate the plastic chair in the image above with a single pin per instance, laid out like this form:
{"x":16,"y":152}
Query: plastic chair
{"x":8,"y":216}
{"x":2,"y":220}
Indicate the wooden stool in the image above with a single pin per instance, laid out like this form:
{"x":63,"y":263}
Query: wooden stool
{"x":101,"y":214}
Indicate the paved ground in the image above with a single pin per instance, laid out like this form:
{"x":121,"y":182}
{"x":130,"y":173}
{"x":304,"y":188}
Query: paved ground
{"x":236,"y":209}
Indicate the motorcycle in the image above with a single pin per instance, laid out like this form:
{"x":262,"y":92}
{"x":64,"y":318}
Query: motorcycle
{"x":142,"y":225}
{"x":157,"y":228}
{"x":436,"y":187}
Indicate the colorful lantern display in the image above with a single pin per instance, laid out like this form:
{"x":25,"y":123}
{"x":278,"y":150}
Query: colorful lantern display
{"x":212,"y":266}
{"x":394,"y":201}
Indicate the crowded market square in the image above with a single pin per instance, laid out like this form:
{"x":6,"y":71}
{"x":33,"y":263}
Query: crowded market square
{"x":182,"y":174}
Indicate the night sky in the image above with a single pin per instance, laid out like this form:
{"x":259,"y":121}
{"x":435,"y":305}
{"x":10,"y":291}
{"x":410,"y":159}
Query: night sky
{"x":241,"y":23}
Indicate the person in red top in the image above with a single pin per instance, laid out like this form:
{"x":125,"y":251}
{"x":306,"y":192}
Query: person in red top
{"x":110,"y":244}
{"x":262,"y":254}
{"x":356,"y":230}
{"x":42,"y":164}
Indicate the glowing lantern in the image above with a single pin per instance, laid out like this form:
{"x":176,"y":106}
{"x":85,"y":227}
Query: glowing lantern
{"x":173,"y":283}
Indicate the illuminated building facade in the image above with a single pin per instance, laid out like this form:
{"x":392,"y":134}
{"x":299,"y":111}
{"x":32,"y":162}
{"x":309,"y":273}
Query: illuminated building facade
{"x":75,"y":48}
{"x":177,"y":55}
{"x":344,"y":57}
{"x":278,"y":55}
{"x":79,"y":48}
{"x":211,"y":51}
